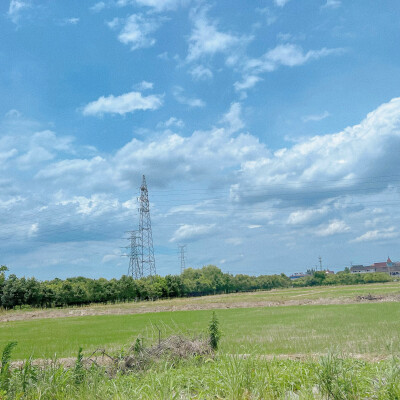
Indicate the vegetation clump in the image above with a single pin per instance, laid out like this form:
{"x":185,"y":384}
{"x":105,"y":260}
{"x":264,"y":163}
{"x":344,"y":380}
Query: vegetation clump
{"x":174,"y":349}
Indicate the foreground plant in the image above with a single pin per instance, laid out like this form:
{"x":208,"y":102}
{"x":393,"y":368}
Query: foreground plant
{"x":214,"y":331}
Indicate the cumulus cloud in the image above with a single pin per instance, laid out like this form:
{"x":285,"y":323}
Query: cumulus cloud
{"x":24,"y":151}
{"x":281,"y":3}
{"x":233,"y":117}
{"x":161,"y":5}
{"x":98,"y":6}
{"x":207,"y":40}
{"x":247,"y":83}
{"x":333,"y":228}
{"x":16,"y":8}
{"x":70,"y":21}
{"x":332,"y":4}
{"x":123,"y":104}
{"x":190,"y":233}
{"x":339,"y":162}
{"x":96,"y":204}
{"x":136,"y":31}
{"x":166,"y":158}
{"x":144,"y":85}
{"x":306,"y":215}
{"x":199,"y":72}
{"x":171,"y":122}
{"x":179,"y":95}
{"x":378,"y":234}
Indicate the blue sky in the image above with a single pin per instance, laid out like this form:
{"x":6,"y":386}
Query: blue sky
{"x":268,"y":131}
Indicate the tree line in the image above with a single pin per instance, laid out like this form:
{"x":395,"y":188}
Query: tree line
{"x":208,"y":280}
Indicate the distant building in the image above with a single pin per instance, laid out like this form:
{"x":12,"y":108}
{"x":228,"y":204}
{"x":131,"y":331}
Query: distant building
{"x":327,"y":271}
{"x":298,"y":275}
{"x":388,"y":267}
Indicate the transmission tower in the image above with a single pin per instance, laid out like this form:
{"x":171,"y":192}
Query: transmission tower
{"x":146,"y":255}
{"x":135,"y":269}
{"x":182,"y":250}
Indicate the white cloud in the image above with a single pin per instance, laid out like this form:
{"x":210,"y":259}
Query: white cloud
{"x":316,"y":117}
{"x":288,"y":55}
{"x":169,"y":157}
{"x":110,"y":257}
{"x":6,"y":155}
{"x":125,"y":103}
{"x":269,"y":15}
{"x":340,"y":161}
{"x":191,"y":233}
{"x":333,"y":228}
{"x":69,"y":170}
{"x":171,"y":122}
{"x":96,"y":204}
{"x":235,"y":241}
{"x":283,"y":55}
{"x":378,"y":234}
{"x":178,"y":93}
{"x":70,"y":21}
{"x":35,"y":155}
{"x":248,"y":82}
{"x":201,"y":73}
{"x":43,"y":146}
{"x":34,"y":228}
{"x":281,"y":3}
{"x":137,"y":30}
{"x":306,"y":215}
{"x":16,"y":8}
{"x":13,"y":114}
{"x":254,"y":226}
{"x":205,"y":38}
{"x":162,"y":5}
{"x":113,"y":23}
{"x":98,"y":6}
{"x":144,"y":85}
{"x":332,"y":4}
{"x":232,"y":118}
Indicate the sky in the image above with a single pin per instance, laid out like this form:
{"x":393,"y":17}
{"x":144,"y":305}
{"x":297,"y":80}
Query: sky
{"x":268,"y":132}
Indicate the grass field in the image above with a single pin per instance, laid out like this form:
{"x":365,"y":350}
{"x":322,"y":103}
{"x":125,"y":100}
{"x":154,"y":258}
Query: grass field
{"x":320,"y":325}
{"x":370,"y":328}
{"x":277,"y":297}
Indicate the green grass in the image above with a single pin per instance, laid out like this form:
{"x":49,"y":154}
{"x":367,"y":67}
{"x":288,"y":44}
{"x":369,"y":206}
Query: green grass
{"x":372,"y":328}
{"x":275,"y":296}
{"x":225,"y":377}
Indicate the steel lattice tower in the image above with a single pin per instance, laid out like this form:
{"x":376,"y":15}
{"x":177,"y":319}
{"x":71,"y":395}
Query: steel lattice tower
{"x":146,"y":251}
{"x":135,"y":269}
{"x":183,"y":263}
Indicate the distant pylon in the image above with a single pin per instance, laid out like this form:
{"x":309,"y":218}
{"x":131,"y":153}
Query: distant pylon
{"x":182,"y":249}
{"x":134,"y":266}
{"x":146,"y":256}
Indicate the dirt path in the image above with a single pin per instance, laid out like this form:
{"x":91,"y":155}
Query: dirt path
{"x":147,"y":307}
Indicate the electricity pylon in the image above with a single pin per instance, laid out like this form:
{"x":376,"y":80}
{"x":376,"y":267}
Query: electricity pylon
{"x":134,"y":266}
{"x":145,"y":237}
{"x":183,"y":263}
